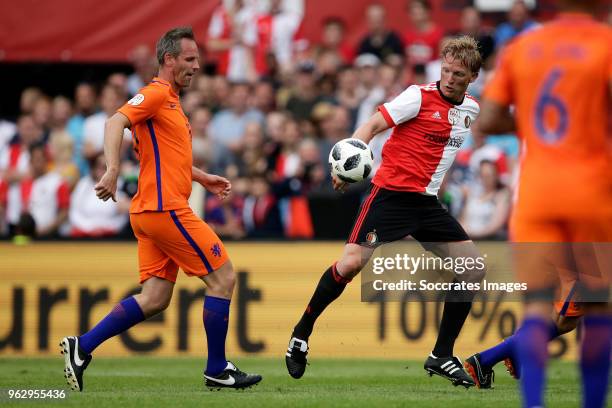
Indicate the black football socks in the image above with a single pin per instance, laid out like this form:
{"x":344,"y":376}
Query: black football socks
{"x":330,"y":286}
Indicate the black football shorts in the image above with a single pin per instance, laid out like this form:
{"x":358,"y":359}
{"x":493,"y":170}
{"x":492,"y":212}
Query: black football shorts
{"x":387,"y":216}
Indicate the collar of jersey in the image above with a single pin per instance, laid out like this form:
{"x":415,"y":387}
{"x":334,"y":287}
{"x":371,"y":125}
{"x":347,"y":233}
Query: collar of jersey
{"x":447,"y":99}
{"x":163,"y":81}
{"x":574,"y":15}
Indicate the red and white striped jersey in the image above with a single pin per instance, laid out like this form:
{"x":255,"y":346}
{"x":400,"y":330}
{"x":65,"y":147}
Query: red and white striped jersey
{"x":428,"y":131}
{"x":42,"y":198}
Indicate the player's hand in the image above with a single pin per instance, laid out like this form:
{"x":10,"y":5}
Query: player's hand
{"x":338,"y":184}
{"x":107,"y":186}
{"x":217,"y":185}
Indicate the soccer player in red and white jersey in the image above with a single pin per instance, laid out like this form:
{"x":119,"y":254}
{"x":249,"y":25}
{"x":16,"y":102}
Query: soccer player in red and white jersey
{"x":430,"y":122}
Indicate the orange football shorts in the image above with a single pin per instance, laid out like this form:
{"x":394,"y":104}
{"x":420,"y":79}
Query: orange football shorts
{"x":171,"y":239}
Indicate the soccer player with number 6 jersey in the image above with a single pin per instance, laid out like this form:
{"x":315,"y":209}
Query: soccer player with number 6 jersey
{"x":558,"y":78}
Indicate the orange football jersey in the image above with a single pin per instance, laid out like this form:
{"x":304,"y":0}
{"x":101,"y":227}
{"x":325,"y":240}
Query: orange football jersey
{"x":162,"y":140}
{"x":557,"y":77}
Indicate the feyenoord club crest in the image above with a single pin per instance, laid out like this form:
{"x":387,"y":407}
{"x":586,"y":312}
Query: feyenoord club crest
{"x":372,"y":238}
{"x":453,"y":116}
{"x":467,"y":121}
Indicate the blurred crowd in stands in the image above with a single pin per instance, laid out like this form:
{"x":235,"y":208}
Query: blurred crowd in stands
{"x":266,"y":119}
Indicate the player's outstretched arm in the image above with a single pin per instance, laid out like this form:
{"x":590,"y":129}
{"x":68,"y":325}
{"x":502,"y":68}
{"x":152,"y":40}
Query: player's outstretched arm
{"x":495,"y":118}
{"x":365,"y":133}
{"x":215,"y":184}
{"x":113,"y":136}
{"x":371,"y":128}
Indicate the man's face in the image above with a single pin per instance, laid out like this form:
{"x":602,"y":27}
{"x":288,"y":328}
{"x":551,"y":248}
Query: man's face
{"x":239,"y":97}
{"x":110,"y":100}
{"x":38,"y":162}
{"x":518,"y":14}
{"x":85,"y":98}
{"x":455,"y":78}
{"x":186,"y":64}
{"x":28,"y":130}
{"x":376,"y":18}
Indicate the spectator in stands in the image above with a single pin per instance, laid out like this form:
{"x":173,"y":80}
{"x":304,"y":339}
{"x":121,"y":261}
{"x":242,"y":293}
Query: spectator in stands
{"x":481,"y":150}
{"x":367,"y":65}
{"x":28,"y":98}
{"x":487,"y":206}
{"x":232,"y":34}
{"x":210,"y":156}
{"x":91,"y":217}
{"x":288,"y":160}
{"x":260,"y":213}
{"x":43,"y":194}
{"x":471,"y":24}
{"x":120,"y":81}
{"x":144,"y":65}
{"x":225,"y":216}
{"x":279,"y":39}
{"x":423,"y":36}
{"x":275,"y":125}
{"x":84,"y":105}
{"x":297,"y":172}
{"x":333,"y":41}
{"x":110,"y":101}
{"x":252,"y":159}
{"x":41,"y":113}
{"x":386,"y":87}
{"x":305,"y":94}
{"x":518,"y":21}
{"x":348,"y":92}
{"x":264,"y":96}
{"x":61,"y":111}
{"x":222,"y":89}
{"x":7,"y":132}
{"x":61,"y":148}
{"x":15,"y":157}
{"x":214,"y":90}
{"x":227,"y":126}
{"x":328,"y":64}
{"x":380,"y":40}
{"x":3,"y":198}
{"x":333,"y":124}
{"x":190,"y":101}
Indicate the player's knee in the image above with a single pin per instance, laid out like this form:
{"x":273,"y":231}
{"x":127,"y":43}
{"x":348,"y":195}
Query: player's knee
{"x":475,"y":274}
{"x":566,"y":324}
{"x":349,"y":266}
{"x":222,"y":281}
{"x":152,"y":305}
{"x":478,"y":274}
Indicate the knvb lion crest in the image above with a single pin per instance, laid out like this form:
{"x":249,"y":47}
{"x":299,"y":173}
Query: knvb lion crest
{"x":216,"y":250}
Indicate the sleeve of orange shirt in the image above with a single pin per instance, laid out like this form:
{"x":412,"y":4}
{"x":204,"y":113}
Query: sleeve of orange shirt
{"x":499,"y":88}
{"x":145,"y":103}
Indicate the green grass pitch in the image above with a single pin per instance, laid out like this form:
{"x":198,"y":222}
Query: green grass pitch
{"x":177,"y":382}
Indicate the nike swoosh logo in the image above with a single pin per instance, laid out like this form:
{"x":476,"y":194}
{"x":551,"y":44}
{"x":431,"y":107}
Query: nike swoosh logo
{"x":228,"y":381}
{"x":76,"y":357}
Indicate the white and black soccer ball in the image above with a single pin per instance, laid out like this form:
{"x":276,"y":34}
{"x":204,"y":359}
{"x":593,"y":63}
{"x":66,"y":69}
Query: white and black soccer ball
{"x":351,"y":160}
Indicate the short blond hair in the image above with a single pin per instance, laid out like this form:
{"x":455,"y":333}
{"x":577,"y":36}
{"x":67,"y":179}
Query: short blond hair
{"x":465,"y":49}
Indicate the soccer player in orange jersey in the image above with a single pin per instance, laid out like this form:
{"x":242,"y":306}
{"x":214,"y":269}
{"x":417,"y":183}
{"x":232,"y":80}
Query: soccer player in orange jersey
{"x":168,"y":232}
{"x":559,"y":80}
